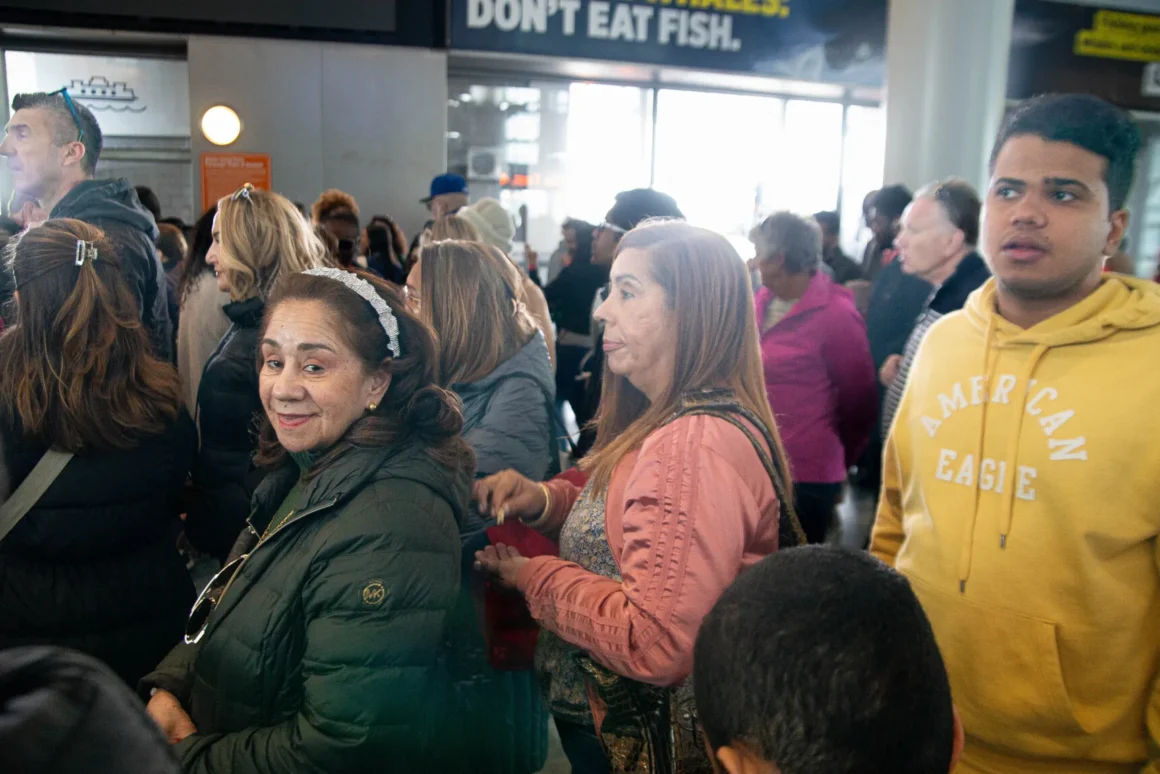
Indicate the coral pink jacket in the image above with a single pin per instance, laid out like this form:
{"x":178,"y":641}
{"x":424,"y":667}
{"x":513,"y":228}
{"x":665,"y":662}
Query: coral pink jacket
{"x":684,"y":516}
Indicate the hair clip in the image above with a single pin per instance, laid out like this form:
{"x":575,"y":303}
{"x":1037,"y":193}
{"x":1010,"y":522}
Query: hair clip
{"x":243,"y":192}
{"x":85,"y":250}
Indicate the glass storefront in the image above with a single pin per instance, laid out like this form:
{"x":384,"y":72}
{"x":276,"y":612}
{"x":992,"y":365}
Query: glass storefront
{"x":558,"y":149}
{"x":1144,"y":231}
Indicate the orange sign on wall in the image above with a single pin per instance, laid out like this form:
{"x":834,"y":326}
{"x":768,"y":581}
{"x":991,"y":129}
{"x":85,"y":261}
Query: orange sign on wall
{"x":224,"y":173}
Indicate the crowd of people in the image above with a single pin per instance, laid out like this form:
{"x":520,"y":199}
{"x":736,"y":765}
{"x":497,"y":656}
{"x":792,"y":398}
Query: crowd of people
{"x":417,"y":567}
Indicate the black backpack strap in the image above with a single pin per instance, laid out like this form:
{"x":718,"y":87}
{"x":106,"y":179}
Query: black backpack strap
{"x":722,"y":404}
{"x":556,"y":430}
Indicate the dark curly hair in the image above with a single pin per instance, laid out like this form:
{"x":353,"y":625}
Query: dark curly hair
{"x":1091,"y":123}
{"x":415,"y":408}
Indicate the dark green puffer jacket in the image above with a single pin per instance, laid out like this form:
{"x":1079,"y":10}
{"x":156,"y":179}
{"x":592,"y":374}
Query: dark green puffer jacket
{"x":325,"y":654}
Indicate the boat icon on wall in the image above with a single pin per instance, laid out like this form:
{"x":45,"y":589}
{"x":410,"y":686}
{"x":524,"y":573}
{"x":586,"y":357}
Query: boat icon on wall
{"x":101,"y":94}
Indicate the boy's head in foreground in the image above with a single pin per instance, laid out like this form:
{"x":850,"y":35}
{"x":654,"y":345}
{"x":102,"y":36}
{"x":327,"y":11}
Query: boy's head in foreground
{"x":820,"y":661}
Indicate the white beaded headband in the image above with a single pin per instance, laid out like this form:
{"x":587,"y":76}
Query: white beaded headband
{"x":367,"y":292}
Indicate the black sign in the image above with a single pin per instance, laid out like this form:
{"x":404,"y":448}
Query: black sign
{"x":1068,"y":48}
{"x":839,"y":41}
{"x":405,"y":22}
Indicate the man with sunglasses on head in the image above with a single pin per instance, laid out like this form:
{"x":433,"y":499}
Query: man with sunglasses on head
{"x":937,"y":243}
{"x":52,"y":145}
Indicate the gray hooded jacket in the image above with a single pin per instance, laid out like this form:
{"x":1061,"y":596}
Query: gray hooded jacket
{"x":113,"y":207}
{"x":506,"y":419}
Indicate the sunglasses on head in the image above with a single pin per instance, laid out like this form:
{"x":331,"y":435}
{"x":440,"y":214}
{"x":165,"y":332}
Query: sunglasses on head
{"x":945,"y":195}
{"x":76,"y":117}
{"x":242,"y":193}
{"x":606,"y":226}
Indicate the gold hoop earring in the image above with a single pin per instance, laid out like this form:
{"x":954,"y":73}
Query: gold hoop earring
{"x":372,"y":407}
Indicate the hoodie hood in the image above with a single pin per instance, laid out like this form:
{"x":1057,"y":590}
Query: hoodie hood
{"x":507,"y":417}
{"x":1119,"y":304}
{"x":94,"y":201}
{"x":531,"y":362}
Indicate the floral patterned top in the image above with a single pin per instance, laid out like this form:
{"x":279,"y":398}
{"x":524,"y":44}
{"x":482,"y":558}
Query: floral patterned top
{"x":583,"y":540}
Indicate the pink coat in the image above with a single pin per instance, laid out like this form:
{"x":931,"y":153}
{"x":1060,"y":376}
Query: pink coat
{"x":684,"y":516}
{"x":821,"y":381}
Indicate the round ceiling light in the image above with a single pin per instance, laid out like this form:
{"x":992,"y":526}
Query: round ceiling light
{"x":221,"y":125}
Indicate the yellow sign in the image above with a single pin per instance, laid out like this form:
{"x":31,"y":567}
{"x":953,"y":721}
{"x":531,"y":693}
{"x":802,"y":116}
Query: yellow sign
{"x":1115,"y":35}
{"x":750,"y":7}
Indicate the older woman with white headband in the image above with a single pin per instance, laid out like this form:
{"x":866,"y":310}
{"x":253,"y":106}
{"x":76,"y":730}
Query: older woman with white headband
{"x":317,"y":648}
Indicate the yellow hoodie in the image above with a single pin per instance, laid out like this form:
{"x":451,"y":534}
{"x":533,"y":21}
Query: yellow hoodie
{"x":1021,"y":497}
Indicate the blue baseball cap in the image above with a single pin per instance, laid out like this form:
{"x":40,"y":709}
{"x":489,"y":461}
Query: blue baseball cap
{"x":446,"y":184}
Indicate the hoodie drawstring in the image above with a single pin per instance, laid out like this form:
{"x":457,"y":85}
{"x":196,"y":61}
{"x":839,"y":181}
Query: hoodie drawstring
{"x":1013,"y":445}
{"x":1008,"y":483}
{"x":969,"y":531}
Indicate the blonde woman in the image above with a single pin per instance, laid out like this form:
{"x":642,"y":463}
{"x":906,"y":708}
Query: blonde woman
{"x":258,"y":237}
{"x":687,"y":488}
{"x":451,"y":227}
{"x":493,"y":357}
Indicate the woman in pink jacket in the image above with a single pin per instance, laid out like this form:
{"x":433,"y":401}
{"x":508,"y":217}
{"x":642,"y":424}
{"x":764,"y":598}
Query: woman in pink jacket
{"x":684,"y":483}
{"x":818,"y":370}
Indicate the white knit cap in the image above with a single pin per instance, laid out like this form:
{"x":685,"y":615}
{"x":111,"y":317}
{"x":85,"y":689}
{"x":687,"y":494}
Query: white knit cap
{"x":495,"y":225}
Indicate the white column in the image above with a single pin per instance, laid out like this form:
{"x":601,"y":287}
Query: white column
{"x":946,"y":85}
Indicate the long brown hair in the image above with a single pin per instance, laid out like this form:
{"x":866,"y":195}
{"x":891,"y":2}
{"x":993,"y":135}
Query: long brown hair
{"x":708,"y":289}
{"x":78,"y":370}
{"x":415,"y":407}
{"x":263,"y":237}
{"x":473,"y":298}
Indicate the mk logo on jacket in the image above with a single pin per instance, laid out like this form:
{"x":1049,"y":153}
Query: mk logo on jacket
{"x":374,"y":593}
{"x":961,"y":467}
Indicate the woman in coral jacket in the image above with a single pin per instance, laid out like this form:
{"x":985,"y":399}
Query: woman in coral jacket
{"x":685,"y":491}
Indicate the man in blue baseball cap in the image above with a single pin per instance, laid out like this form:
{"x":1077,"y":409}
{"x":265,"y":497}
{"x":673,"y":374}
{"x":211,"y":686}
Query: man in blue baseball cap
{"x":448,"y":195}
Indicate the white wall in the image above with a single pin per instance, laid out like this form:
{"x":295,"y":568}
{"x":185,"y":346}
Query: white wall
{"x":946,"y":84}
{"x":370,"y":120}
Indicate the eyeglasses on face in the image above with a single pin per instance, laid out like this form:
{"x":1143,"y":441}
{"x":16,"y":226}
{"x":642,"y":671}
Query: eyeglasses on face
{"x":72,"y":109}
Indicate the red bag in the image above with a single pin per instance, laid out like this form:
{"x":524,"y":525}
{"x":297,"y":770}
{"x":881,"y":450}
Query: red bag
{"x":509,"y":631}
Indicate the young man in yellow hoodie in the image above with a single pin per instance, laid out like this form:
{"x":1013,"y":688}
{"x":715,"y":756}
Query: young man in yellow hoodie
{"x":1021,"y":483}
